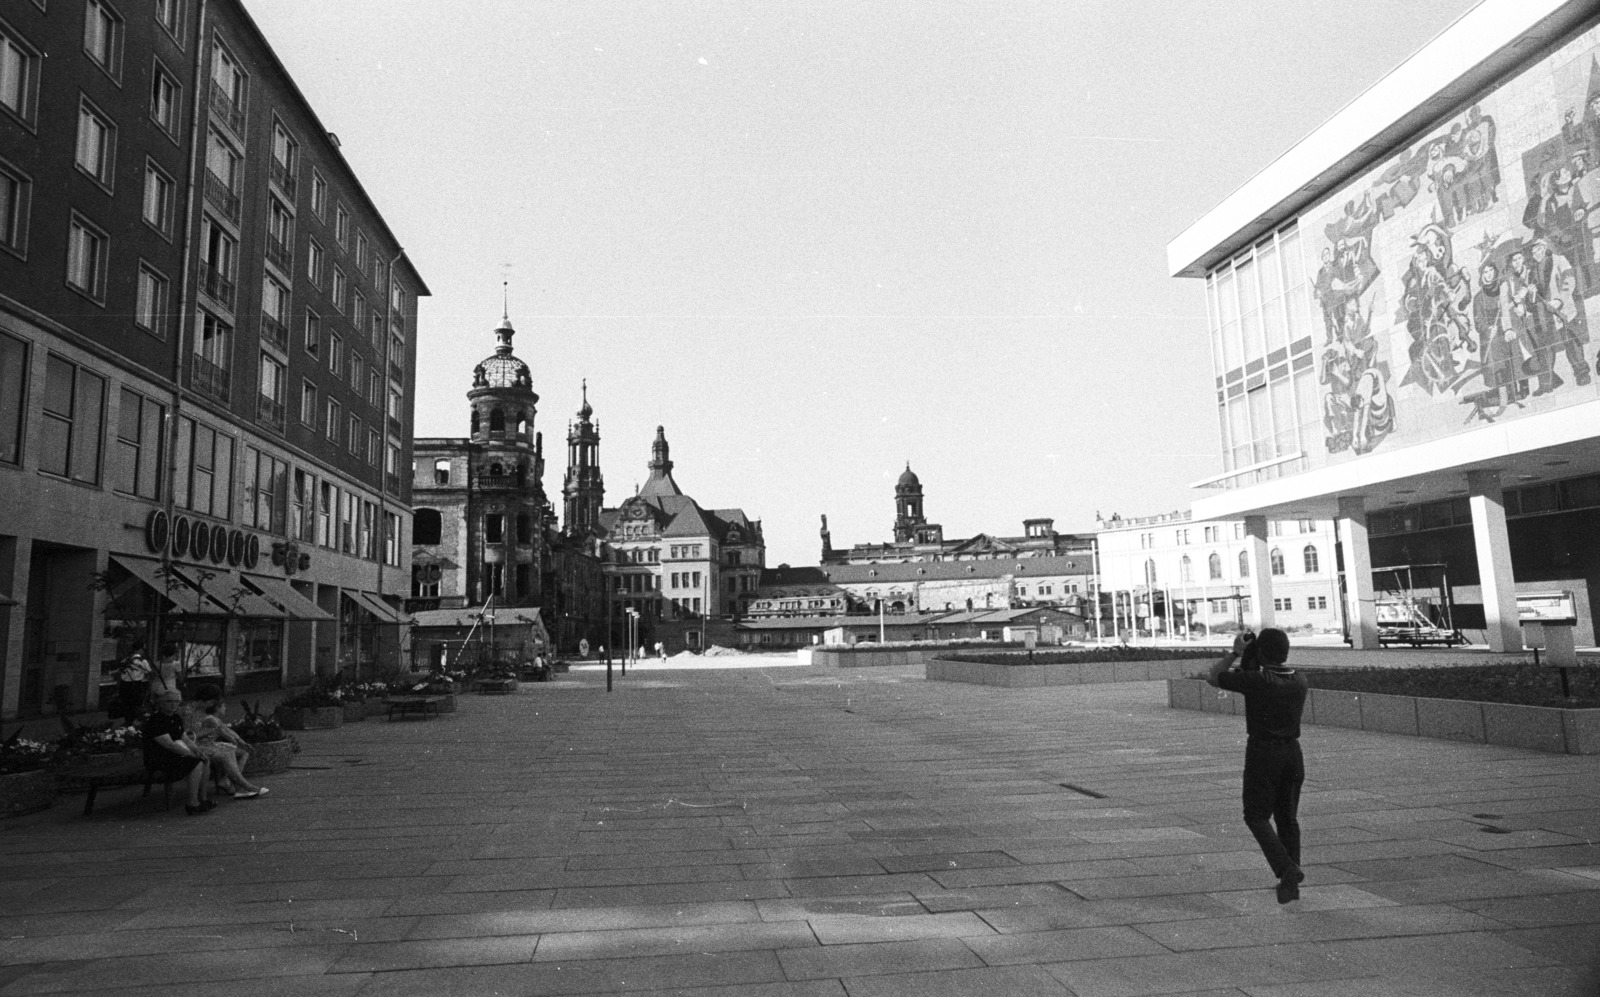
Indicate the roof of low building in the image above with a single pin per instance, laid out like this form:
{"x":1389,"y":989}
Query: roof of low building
{"x":917,"y":571}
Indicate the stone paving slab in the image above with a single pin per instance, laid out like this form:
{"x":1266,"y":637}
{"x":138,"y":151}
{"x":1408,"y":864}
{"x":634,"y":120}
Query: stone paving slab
{"x":806,"y":832}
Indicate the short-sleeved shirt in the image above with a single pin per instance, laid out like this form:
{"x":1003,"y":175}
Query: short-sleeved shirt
{"x":1273,"y":700}
{"x":159,"y":723}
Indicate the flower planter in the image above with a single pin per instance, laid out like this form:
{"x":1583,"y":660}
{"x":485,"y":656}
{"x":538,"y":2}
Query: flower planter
{"x":269,"y":757}
{"x":310,"y":717}
{"x":447,"y":704}
{"x":497,"y":686}
{"x":26,"y":792}
{"x":354,"y":712}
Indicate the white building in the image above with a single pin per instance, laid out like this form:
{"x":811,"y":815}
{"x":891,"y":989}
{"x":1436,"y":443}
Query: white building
{"x":1400,"y":308}
{"x":1173,"y":574}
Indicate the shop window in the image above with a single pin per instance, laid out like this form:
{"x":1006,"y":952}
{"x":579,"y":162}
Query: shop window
{"x":139,"y":449}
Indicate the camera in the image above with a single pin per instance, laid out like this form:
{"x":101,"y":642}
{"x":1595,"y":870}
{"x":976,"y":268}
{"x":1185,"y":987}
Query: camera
{"x":1247,"y":658}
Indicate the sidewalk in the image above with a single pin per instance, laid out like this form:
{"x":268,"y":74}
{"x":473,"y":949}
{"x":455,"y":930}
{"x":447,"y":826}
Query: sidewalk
{"x":800,"y":832}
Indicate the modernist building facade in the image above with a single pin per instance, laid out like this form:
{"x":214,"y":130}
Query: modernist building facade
{"x":485,"y":535}
{"x":207,"y":356}
{"x":1174,"y":575}
{"x":1400,"y":311}
{"x":916,"y":539}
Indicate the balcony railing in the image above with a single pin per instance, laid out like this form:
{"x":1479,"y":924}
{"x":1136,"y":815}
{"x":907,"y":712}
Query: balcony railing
{"x":207,"y":377}
{"x":284,"y":177}
{"x":217,"y":284}
{"x":392,"y":483}
{"x":397,"y":373}
{"x":274,"y":333}
{"x":225,"y":110}
{"x":278,"y":255}
{"x":269,"y":412}
{"x":221,"y":196}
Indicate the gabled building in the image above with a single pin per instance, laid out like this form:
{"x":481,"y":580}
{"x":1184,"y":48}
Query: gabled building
{"x":686,"y":570}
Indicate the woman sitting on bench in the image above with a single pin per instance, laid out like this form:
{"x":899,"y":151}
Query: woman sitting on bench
{"x":172,"y":754}
{"x":225,"y":750}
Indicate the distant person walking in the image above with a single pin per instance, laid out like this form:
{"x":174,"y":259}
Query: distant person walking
{"x":1274,"y":770}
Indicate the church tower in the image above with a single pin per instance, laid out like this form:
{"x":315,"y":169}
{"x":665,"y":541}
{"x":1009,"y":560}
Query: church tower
{"x":908,"y":518}
{"x":584,"y":489}
{"x":506,"y":505}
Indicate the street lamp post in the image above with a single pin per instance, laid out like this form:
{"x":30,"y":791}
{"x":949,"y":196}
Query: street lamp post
{"x":633,"y":631}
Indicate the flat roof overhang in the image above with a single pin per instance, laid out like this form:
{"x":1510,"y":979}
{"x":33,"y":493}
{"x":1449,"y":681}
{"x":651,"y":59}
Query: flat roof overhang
{"x":1525,"y":450}
{"x":1486,"y":43}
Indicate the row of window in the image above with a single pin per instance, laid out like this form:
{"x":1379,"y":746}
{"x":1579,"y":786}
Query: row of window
{"x":1183,"y":536}
{"x":685,"y":551}
{"x":1309,"y":559}
{"x":685,"y":579}
{"x":73,"y":405}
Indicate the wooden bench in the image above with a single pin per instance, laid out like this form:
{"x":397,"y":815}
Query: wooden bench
{"x":98,"y":774}
{"x":420,"y":705}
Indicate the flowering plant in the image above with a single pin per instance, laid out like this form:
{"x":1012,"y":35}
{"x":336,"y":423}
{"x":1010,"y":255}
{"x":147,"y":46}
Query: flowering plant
{"x":96,"y":739}
{"x":256,"y":728}
{"x":20,"y":754}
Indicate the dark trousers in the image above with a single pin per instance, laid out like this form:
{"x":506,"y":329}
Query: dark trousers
{"x":1273,"y":774}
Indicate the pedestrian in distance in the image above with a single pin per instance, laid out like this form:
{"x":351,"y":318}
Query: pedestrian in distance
{"x":1274,"y":770}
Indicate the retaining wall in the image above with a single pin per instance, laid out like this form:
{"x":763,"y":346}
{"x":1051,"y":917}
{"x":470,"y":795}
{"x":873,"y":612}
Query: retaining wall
{"x":1541,"y":728}
{"x":1024,"y":676}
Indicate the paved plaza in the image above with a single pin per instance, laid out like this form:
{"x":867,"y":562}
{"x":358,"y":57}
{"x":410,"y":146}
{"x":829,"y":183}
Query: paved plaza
{"x":800,"y":832}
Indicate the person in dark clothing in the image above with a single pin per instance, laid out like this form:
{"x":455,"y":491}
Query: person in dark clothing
{"x":169,"y":750}
{"x":1274,"y":698}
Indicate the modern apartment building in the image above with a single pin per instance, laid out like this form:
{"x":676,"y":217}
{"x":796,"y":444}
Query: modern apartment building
{"x":207,"y":360}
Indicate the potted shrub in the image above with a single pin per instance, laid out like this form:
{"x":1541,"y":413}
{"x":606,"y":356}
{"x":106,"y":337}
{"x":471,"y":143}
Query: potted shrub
{"x":316,"y":708}
{"x":501,"y":677}
{"x":26,"y":785}
{"x":270,"y":748}
{"x":85,"y":742}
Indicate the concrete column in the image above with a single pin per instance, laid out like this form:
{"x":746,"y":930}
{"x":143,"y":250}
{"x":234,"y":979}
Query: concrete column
{"x":1255,"y":541}
{"x":1360,"y":605}
{"x":16,"y":554}
{"x":1494,"y":561}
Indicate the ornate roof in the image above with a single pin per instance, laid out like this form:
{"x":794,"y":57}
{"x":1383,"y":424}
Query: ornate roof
{"x":503,"y":369}
{"x":908,"y":478}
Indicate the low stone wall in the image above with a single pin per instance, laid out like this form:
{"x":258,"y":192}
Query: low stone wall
{"x":1541,"y":728}
{"x":841,"y":657}
{"x":1025,"y":676}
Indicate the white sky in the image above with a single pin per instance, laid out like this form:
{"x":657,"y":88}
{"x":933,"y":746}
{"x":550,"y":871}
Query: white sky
{"x":817,"y":240}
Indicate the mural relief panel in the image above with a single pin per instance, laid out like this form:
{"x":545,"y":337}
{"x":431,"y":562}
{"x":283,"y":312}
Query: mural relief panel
{"x":1456,"y":282}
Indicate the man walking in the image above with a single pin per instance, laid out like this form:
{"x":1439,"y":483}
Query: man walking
{"x":1274,"y":697}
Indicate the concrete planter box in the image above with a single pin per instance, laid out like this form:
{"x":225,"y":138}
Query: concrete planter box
{"x":1536,"y":727}
{"x":1332,"y":708}
{"x":1450,"y":720}
{"x":1390,"y":714}
{"x":1025,"y":676}
{"x":1540,"y":728}
{"x":269,"y":757}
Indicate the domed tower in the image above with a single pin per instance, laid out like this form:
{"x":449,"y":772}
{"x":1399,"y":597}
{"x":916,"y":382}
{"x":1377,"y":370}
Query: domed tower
{"x":507,"y":503}
{"x":584,"y":489}
{"x":907,"y":506}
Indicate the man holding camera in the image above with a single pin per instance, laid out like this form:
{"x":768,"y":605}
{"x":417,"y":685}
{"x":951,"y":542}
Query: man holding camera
{"x":1274,"y":698}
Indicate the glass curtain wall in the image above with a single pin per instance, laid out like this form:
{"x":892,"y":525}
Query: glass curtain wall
{"x":1259,"y":311}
